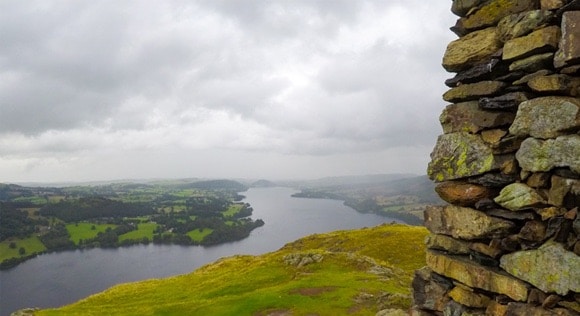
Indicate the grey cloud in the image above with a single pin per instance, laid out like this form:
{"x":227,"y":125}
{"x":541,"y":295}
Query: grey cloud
{"x":298,"y":77}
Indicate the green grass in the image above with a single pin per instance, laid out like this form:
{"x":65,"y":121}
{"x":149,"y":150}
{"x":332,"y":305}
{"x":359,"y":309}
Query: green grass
{"x":232,"y":210}
{"x":344,"y":282}
{"x":83,"y":230}
{"x":199,"y":235}
{"x":36,"y":200}
{"x":31,"y":245}
{"x":143,"y":230}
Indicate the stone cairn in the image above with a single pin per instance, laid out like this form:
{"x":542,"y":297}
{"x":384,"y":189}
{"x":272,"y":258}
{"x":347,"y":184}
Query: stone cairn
{"x":508,"y":165}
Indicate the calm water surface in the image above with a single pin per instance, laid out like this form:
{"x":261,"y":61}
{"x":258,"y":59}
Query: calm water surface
{"x":56,"y":279}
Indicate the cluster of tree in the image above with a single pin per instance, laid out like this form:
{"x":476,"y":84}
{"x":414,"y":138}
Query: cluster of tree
{"x":225,"y":233}
{"x":207,"y":205}
{"x":245,"y":211}
{"x":369,"y":205}
{"x":87,"y":208}
{"x":109,"y":238}
{"x":15,"y":223}
{"x":57,"y":238}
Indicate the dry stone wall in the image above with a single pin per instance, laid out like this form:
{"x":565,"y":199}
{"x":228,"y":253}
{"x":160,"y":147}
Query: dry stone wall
{"x":507,"y":164}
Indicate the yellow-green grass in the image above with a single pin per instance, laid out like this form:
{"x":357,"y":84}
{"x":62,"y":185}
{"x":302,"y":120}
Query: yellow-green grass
{"x":232,"y":210}
{"x":344,"y":282}
{"x":199,"y":234}
{"x":84,"y":230}
{"x":143,"y":230}
{"x":31,"y":245}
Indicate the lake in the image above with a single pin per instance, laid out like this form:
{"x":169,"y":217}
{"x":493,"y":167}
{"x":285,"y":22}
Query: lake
{"x":56,"y":279}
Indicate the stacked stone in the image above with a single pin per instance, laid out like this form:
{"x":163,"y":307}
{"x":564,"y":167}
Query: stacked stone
{"x":508,"y":164}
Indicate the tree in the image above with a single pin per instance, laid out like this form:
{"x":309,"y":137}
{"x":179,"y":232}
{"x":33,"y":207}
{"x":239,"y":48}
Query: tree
{"x":12,"y":245}
{"x":21,"y":251}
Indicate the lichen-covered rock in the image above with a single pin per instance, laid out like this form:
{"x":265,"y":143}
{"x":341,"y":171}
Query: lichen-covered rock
{"x":525,"y":79}
{"x":517,"y":25}
{"x":474,"y":48}
{"x":476,"y":276}
{"x":462,"y":193}
{"x":468,"y":117}
{"x":465,"y":223}
{"x":569,"y":48}
{"x":518,"y":196}
{"x":461,"y":7}
{"x":531,"y":310}
{"x":496,"y":309}
{"x":460,"y":155}
{"x":551,"y":268}
{"x":492,"y":12}
{"x":540,"y":41}
{"x":473,"y":91}
{"x":446,"y":243}
{"x":557,"y":84}
{"x":537,"y":155}
{"x":466,"y":297}
{"x":533,"y":63}
{"x":546,"y":117}
{"x":552,"y":4}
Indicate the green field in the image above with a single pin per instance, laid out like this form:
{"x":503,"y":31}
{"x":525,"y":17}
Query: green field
{"x":358,"y":273}
{"x":31,"y":245}
{"x":143,"y":230}
{"x":232,"y":210}
{"x":199,"y":235}
{"x":84,"y":231}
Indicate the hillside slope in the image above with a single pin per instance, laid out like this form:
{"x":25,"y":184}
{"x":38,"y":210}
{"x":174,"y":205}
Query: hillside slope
{"x":356,"y":272}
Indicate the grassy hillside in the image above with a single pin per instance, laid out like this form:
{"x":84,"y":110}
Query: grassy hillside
{"x":356,"y":272}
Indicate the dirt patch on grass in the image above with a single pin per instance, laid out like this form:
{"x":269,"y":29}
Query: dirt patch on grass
{"x":313,"y":291}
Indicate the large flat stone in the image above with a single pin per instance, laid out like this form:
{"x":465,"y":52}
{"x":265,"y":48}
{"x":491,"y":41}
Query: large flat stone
{"x":476,"y":276}
{"x":537,"y":155}
{"x":473,"y":91}
{"x":546,"y":117}
{"x":468,"y":117}
{"x":462,"y":193}
{"x":540,"y":41}
{"x":569,"y":47}
{"x":469,"y":298}
{"x":551,"y":268}
{"x":492,"y":12}
{"x":465,"y":223}
{"x":460,"y":155}
{"x":474,"y":48}
{"x":447,"y":244}
{"x":555,"y":84}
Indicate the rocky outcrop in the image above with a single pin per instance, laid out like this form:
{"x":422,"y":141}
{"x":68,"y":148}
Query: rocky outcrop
{"x":508,"y":164}
{"x":537,"y":268}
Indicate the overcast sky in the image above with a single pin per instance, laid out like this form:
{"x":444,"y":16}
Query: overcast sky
{"x":103,"y":90}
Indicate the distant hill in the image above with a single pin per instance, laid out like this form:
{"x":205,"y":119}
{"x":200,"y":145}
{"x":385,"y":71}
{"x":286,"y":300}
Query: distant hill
{"x":263,"y":184}
{"x":399,"y":196}
{"x":346,"y":272}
